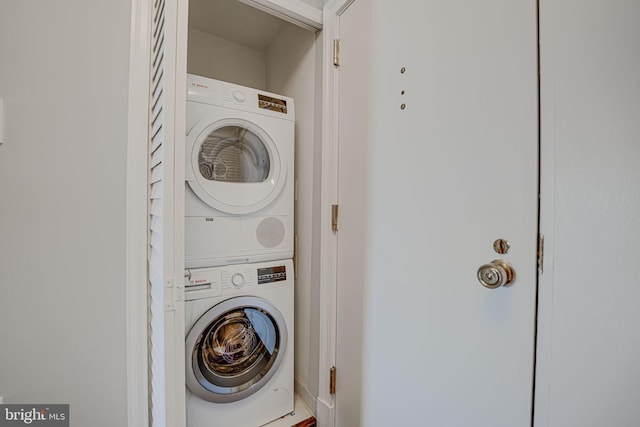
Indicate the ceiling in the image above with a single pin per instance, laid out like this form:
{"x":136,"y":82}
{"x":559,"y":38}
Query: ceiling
{"x":234,"y":21}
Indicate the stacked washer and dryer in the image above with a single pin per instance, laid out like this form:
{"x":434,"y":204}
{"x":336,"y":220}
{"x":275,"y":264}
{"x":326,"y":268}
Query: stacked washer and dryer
{"x":239,"y":296}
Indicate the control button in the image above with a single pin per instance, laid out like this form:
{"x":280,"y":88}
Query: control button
{"x":237,"y":280}
{"x":239,"y":96}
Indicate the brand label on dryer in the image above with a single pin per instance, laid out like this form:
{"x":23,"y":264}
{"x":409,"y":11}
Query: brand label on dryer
{"x":272,"y":274}
{"x":271,"y":103}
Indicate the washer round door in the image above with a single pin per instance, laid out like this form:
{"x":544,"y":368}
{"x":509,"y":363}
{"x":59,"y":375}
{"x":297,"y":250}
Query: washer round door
{"x":234,"y":348}
{"x":235,"y":166}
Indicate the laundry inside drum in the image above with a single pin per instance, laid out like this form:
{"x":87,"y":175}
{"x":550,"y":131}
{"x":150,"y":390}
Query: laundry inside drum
{"x":239,"y":348}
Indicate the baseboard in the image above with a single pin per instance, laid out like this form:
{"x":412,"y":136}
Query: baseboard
{"x":306,"y":396}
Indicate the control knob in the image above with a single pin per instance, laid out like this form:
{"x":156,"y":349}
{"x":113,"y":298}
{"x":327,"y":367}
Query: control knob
{"x":237,"y":280}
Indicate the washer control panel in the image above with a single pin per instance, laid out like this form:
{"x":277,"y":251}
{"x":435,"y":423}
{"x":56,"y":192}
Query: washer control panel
{"x":237,"y":280}
{"x":238,"y":277}
{"x":246,"y":277}
{"x":233,"y":279}
{"x":272,"y":274}
{"x":202,"y":283}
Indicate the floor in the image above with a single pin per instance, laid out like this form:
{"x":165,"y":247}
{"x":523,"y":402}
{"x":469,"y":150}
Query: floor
{"x":300,"y":417}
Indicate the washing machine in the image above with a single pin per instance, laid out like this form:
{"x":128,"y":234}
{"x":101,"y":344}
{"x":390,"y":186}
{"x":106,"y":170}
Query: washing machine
{"x":239,"y":344}
{"x":239,"y":174}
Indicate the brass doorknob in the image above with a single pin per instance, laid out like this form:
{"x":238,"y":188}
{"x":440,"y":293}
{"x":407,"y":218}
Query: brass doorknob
{"x":495,"y":274}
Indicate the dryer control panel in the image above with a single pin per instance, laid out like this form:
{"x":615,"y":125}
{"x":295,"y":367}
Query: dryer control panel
{"x":225,"y":94}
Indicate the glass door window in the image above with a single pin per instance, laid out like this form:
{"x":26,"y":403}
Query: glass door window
{"x":234,"y":349}
{"x":233,"y":154}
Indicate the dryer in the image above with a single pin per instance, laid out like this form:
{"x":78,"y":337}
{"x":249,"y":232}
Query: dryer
{"x":239,"y":174}
{"x":239,"y":344}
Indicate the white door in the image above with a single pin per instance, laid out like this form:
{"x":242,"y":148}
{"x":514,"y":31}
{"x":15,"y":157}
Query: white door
{"x":354,"y":86}
{"x":438,"y":159}
{"x":165,"y":262}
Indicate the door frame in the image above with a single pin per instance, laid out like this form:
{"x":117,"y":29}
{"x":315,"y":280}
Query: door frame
{"x":136,"y":217}
{"x":137,"y":307}
{"x":326,"y":402}
{"x":329,"y":196}
{"x":295,"y":11}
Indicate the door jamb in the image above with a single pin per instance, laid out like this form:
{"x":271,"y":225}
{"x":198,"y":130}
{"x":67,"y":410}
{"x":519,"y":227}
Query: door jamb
{"x":329,"y":195}
{"x":136,"y":217}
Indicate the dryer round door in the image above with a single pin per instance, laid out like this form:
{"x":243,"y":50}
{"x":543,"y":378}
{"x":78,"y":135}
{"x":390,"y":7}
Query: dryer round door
{"x":234,"y":349}
{"x":234,"y":166}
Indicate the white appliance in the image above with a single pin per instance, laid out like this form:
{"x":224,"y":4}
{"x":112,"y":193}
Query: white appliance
{"x":239,"y":174}
{"x":239,"y":344}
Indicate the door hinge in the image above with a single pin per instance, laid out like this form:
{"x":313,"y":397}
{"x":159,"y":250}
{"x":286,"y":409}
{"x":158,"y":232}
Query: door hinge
{"x":295,"y":256}
{"x":334,"y":217}
{"x":540,"y":253}
{"x":332,"y":380}
{"x":336,"y":52}
{"x":173,"y":293}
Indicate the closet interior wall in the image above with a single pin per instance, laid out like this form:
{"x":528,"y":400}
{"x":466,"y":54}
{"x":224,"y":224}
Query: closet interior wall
{"x":252,"y":48}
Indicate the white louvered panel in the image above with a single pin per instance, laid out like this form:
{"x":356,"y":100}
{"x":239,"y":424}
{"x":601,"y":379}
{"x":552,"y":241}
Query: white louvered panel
{"x":155,"y":274}
{"x":157,"y":157}
{"x":158,"y":59}
{"x":156,"y":242}
{"x":155,"y":264}
{"x":156,"y":89}
{"x":157,"y":358}
{"x":156,"y":210}
{"x":157,"y":121}
{"x":156,"y":174}
{"x":157,"y":190}
{"x":157,"y":134}
{"x":156,"y":252}
{"x":158,"y":56}
{"x":166,"y":316}
{"x":157,"y":77}
{"x":158,"y":43}
{"x":156,"y":93}
{"x":157,"y":221}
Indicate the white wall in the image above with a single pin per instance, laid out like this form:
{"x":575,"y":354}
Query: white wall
{"x":588,"y":368}
{"x":64,"y":80}
{"x":212,"y":56}
{"x":291,"y":71}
